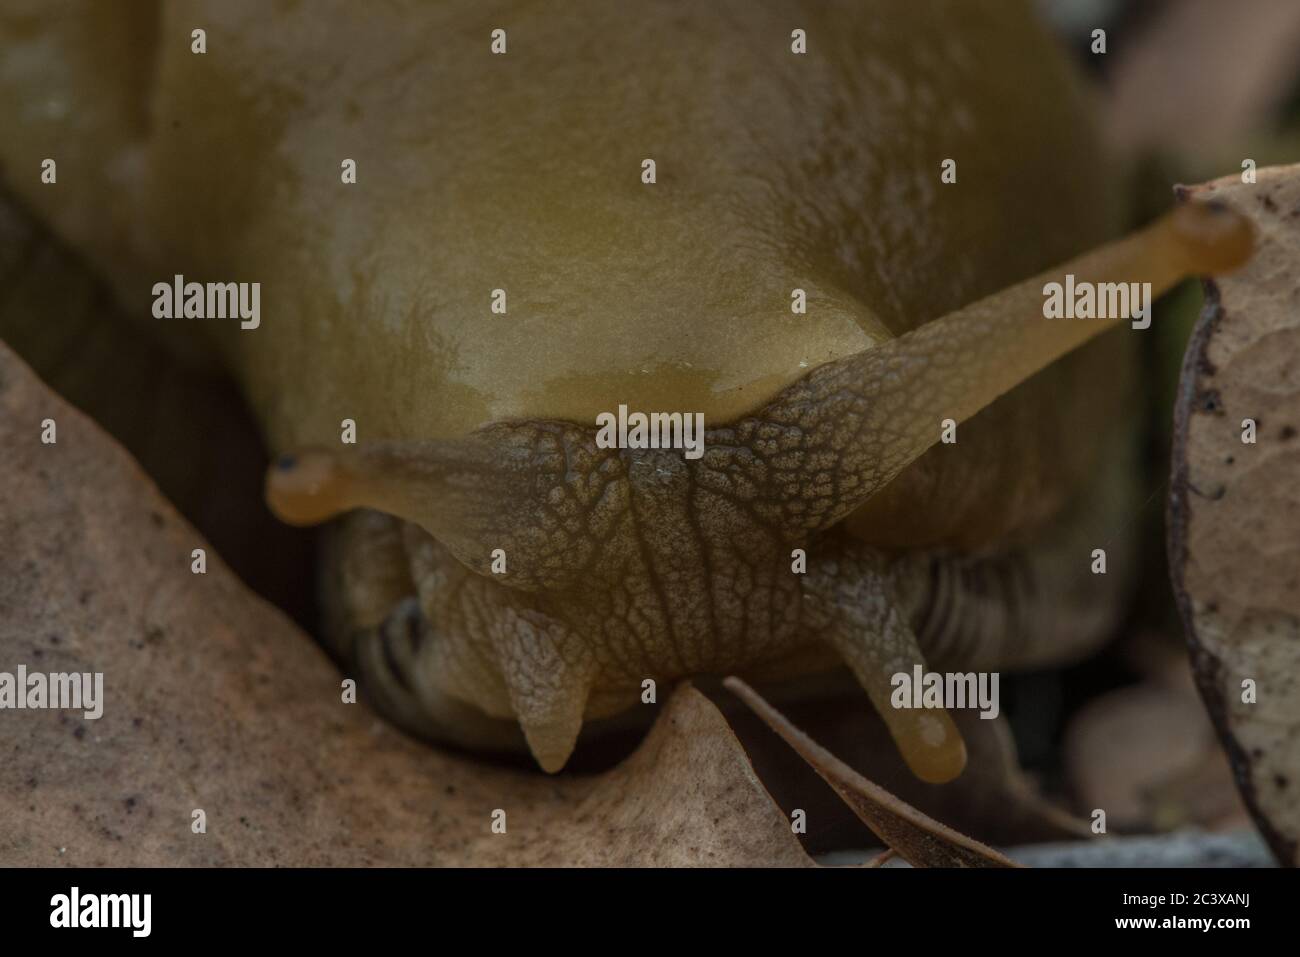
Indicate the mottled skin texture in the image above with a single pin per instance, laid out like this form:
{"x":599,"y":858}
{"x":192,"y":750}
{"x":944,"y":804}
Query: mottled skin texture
{"x":521,"y":172}
{"x":628,"y":566}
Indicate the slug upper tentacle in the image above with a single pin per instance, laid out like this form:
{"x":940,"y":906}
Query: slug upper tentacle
{"x":879,"y":410}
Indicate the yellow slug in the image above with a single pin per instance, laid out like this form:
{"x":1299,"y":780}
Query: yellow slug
{"x":618,"y":207}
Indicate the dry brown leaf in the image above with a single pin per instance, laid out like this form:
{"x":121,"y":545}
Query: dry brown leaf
{"x":214,"y":700}
{"x":1234,"y":543}
{"x":918,"y":839}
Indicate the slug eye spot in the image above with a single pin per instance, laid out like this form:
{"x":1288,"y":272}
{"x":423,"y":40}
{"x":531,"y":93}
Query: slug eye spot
{"x":1214,"y":238}
{"x":308,"y":487}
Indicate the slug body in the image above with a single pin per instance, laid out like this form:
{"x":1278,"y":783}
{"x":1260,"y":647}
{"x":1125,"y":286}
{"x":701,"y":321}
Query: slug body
{"x":496,"y":563}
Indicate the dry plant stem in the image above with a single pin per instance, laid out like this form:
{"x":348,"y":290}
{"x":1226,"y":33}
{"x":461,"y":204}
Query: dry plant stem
{"x":918,"y":839}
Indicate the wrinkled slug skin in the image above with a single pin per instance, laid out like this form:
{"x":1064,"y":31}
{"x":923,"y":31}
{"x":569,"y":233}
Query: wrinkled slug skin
{"x":522,"y":172}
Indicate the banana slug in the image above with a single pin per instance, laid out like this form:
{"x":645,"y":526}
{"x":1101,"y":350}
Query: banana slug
{"x":493,"y":567}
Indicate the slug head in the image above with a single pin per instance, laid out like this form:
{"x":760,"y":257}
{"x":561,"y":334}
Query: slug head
{"x":638,"y":563}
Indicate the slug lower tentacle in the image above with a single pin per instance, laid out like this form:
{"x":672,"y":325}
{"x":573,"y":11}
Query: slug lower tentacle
{"x":853,"y":601}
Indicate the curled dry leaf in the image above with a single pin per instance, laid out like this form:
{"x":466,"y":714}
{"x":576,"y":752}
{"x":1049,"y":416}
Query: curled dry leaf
{"x":213,"y":700}
{"x":1234,"y":539}
{"x":917,"y":838}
